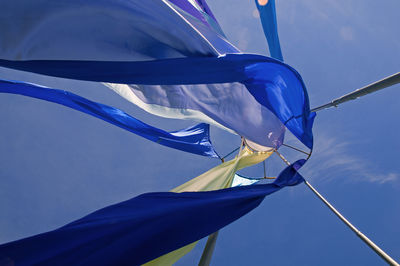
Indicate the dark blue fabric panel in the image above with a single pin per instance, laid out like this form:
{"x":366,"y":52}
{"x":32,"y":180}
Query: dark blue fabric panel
{"x":274,"y":84}
{"x":284,"y":93}
{"x":143,"y":228}
{"x":195,"y":139}
{"x":177,"y":71}
{"x":270,"y":27}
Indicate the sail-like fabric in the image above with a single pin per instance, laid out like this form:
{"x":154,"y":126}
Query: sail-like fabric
{"x":107,"y":30}
{"x":219,"y":177}
{"x":195,"y":139}
{"x":269,"y":83}
{"x":267,"y":11}
{"x":138,"y":230}
{"x":222,"y":175}
{"x":104,"y":37}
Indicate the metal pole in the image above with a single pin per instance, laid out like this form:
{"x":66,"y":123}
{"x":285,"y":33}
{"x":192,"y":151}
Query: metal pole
{"x":376,"y":86}
{"x":363,"y":237}
{"x":212,"y":239}
{"x":208,"y":250}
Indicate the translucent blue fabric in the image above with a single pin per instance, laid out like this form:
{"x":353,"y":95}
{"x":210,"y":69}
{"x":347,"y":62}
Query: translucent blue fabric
{"x":189,"y":8}
{"x":200,"y":10}
{"x":138,"y":230}
{"x":270,"y":27}
{"x":114,"y":41}
{"x":272,"y":83}
{"x":195,"y":139}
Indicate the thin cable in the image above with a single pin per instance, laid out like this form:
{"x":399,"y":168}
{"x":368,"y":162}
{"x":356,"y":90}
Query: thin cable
{"x":265,"y":171}
{"x":283,"y":158}
{"x":222,"y":159}
{"x":294,"y":148}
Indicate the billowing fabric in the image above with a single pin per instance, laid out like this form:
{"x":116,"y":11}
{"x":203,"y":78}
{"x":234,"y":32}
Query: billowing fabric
{"x":107,"y":39}
{"x":195,"y":139}
{"x":273,"y":84}
{"x":138,"y":230}
{"x":270,"y":27}
{"x":106,"y":30}
{"x":222,"y":175}
{"x":219,"y":177}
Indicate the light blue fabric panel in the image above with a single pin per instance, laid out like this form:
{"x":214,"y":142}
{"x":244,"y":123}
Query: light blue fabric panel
{"x":239,"y":180}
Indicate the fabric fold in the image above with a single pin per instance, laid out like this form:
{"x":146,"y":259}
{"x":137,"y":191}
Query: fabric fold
{"x":273,"y":84}
{"x":131,"y":43}
{"x":219,"y":177}
{"x":222,"y":175}
{"x":138,"y":230}
{"x":195,"y":139}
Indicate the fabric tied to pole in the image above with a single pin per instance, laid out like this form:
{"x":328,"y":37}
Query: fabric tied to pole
{"x":143,"y":228}
{"x":190,"y":72}
{"x":222,"y":175}
{"x":273,"y":84}
{"x":195,"y":139}
{"x":267,"y":11}
{"x":219,"y":177}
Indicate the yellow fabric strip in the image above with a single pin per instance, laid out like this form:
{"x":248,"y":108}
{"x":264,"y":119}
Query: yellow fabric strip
{"x":222,"y":175}
{"x":216,"y":178}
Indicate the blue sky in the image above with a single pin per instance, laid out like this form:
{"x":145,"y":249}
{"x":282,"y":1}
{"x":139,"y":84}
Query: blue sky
{"x":57,"y":165}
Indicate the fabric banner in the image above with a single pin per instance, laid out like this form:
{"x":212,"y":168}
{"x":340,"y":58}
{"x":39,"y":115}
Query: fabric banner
{"x":107,"y":30}
{"x":219,"y":177}
{"x":273,"y":84}
{"x":267,"y":11}
{"x":222,"y":175}
{"x":138,"y":230}
{"x":126,"y":42}
{"x":195,"y":139}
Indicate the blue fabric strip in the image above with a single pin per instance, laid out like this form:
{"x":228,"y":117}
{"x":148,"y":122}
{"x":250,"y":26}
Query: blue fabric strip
{"x":270,"y":27}
{"x":143,"y":228}
{"x":195,"y":139}
{"x":274,"y":84}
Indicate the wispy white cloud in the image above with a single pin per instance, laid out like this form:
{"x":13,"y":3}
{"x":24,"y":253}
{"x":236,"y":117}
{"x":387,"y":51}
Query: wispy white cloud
{"x":347,"y":33}
{"x":333,"y":159}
